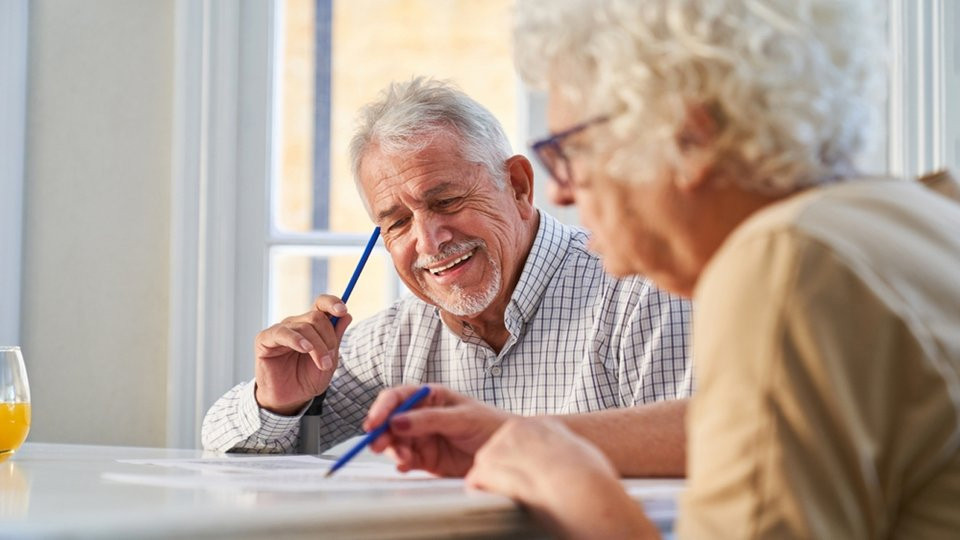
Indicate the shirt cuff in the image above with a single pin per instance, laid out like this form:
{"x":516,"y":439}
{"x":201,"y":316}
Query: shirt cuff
{"x":259,"y":419}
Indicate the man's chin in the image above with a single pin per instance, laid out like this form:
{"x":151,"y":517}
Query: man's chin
{"x":464,"y":305}
{"x":463,"y":310}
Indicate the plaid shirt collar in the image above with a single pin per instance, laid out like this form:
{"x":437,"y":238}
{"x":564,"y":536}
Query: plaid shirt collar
{"x":545,"y":257}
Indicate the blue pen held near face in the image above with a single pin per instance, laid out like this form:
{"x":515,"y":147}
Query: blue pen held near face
{"x":379,"y":430}
{"x":356,"y":272}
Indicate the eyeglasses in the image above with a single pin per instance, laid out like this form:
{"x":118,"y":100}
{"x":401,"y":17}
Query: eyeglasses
{"x":550,"y":152}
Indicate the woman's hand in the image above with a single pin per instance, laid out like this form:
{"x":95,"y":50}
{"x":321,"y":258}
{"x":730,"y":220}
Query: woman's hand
{"x":440,"y":435}
{"x":563,"y":479}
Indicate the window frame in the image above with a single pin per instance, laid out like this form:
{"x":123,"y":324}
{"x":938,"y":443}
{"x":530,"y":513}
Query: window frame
{"x":221,"y":153}
{"x":921,"y":136}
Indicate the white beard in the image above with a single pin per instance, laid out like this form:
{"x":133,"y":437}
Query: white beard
{"x":462,"y":304}
{"x":458,"y":302}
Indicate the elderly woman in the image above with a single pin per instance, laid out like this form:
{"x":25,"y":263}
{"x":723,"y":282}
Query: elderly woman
{"x":710,"y":145}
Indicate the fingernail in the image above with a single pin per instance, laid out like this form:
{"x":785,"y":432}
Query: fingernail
{"x":340,"y":309}
{"x":400,"y":423}
{"x":306,"y":345}
{"x":326,"y":362}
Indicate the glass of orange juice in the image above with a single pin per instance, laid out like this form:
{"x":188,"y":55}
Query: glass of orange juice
{"x":14,"y":401}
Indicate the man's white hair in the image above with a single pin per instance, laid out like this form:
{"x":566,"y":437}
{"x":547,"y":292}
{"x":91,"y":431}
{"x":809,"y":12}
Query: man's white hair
{"x":793,"y":85}
{"x":408,"y":115}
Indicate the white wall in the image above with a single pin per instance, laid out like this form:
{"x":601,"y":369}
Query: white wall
{"x":96,"y":219}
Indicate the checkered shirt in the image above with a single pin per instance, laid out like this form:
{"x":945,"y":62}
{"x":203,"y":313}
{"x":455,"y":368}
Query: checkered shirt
{"x":579,"y":341}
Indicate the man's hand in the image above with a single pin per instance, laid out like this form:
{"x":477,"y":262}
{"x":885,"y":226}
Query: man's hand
{"x":296,"y":358}
{"x":439,"y":436}
{"x":563,"y":479}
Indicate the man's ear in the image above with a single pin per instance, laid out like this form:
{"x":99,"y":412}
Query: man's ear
{"x":520,"y":182}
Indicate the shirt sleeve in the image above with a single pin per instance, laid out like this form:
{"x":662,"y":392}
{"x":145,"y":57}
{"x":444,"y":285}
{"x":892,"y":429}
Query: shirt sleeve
{"x":236,"y":423}
{"x":653,"y":356}
{"x":351,"y":392}
{"x":788,"y":415}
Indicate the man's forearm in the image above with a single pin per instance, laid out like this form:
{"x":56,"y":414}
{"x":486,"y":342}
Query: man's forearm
{"x":646,"y":440}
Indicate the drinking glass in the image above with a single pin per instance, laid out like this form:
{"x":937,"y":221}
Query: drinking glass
{"x":14,"y":401}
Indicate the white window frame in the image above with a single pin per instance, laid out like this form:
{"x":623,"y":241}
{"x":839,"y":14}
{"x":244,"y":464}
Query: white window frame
{"x":221,"y":154}
{"x":14,"y":25}
{"x":923,"y":128}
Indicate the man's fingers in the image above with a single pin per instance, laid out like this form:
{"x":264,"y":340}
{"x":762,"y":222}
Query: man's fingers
{"x":321,"y":323}
{"x":342,"y":325}
{"x":327,"y":303}
{"x":284,"y":337}
{"x":322,"y":355}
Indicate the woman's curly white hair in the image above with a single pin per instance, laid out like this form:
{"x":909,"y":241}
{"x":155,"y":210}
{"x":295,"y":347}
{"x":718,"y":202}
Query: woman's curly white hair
{"x":793,"y":85}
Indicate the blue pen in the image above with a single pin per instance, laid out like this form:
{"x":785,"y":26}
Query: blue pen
{"x":379,"y":430}
{"x":356,"y":272}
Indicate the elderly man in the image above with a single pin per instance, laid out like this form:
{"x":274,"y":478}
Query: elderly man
{"x":509,"y":307}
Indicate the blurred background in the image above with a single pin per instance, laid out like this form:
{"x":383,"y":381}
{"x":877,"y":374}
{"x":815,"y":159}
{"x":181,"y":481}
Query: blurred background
{"x":174,"y":177}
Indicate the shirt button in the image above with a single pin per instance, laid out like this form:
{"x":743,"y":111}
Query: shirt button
{"x":495,"y":370}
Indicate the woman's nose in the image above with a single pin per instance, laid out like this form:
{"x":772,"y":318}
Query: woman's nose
{"x":560,"y":195}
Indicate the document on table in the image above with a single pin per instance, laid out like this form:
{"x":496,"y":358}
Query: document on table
{"x":306,"y":474}
{"x":278,"y":473}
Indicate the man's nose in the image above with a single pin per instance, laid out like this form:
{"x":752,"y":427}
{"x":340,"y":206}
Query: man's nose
{"x":560,"y":195}
{"x":431,"y":233}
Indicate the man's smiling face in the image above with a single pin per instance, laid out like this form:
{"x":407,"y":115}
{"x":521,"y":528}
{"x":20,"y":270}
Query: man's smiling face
{"x":456,"y":237}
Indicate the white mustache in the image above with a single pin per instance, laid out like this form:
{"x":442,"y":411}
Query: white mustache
{"x":448,"y":251}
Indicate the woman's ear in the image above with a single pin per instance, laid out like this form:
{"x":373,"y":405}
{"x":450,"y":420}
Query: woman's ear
{"x":695,"y":142}
{"x":700,"y":128}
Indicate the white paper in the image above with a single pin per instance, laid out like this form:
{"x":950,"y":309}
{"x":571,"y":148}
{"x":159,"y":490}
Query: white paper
{"x":279,"y":473}
{"x":306,"y":474}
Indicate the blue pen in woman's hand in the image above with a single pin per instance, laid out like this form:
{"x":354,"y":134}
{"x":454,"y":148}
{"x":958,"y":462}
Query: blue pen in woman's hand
{"x":379,"y":430}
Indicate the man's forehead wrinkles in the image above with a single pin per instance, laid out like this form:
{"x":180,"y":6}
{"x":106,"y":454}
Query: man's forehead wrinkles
{"x":409,"y":181}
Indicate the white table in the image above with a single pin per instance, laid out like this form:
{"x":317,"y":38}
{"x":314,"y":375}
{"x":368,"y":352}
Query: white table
{"x":57,"y":490}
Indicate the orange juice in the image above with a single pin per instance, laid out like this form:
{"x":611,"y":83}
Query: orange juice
{"x":14,"y":425}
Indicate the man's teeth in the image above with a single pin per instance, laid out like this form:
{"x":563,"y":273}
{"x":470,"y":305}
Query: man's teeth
{"x":436,"y":271}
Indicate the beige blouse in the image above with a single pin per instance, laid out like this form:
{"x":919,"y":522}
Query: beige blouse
{"x":827,"y":353}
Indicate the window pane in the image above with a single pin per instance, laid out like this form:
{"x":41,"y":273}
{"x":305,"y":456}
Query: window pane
{"x":298,"y":275}
{"x":293,"y":211}
{"x":465,"y":41}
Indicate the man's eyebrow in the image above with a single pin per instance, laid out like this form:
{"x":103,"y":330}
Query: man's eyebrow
{"x":428,"y":194}
{"x":437,"y":189}
{"x":383,"y":214}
